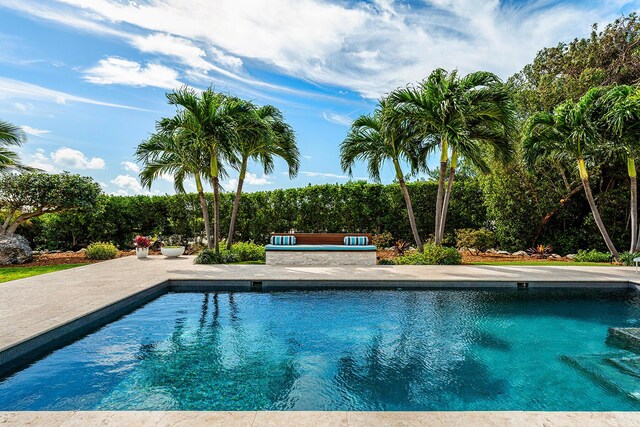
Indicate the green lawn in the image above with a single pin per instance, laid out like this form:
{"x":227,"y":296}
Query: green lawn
{"x":546,"y":263}
{"x":13,"y":273}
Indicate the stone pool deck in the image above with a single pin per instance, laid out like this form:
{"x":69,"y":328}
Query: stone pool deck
{"x":40,"y":305}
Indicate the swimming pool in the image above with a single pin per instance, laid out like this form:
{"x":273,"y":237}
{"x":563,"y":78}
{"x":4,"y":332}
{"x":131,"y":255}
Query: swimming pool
{"x":535,"y":349}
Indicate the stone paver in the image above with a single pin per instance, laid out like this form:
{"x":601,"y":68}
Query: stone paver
{"x":32,"y":306}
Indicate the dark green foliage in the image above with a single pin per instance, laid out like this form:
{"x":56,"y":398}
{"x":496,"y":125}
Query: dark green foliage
{"x":101,"y":251}
{"x":432,"y":255}
{"x":481,"y":239}
{"x":386,"y":261}
{"x":248,"y":251}
{"x":209,"y":256}
{"x":626,"y":258}
{"x":592,"y":256}
{"x":382,"y":240}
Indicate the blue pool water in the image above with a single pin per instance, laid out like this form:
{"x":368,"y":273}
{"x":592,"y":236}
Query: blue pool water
{"x":345,"y":350}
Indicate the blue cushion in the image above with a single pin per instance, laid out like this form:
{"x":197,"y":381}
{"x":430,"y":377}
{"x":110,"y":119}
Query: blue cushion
{"x":356,"y":240}
{"x":283,"y":240}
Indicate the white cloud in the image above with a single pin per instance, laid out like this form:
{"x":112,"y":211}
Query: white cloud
{"x":130,"y":166}
{"x":16,"y":89}
{"x":249,"y":179}
{"x":115,"y":70}
{"x":340,"y":119}
{"x":324,"y":175}
{"x":367,"y":47}
{"x":74,"y":159}
{"x":33,"y":131}
{"x":127,"y":183}
{"x":23,"y":107}
{"x":40,"y":160}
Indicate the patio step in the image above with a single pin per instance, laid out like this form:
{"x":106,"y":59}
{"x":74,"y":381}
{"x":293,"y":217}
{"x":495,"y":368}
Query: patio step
{"x":618,"y":372}
{"x":626,"y":338}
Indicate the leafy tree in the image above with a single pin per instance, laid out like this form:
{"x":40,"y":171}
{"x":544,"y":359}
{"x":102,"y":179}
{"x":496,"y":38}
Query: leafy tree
{"x":10,"y":136}
{"x":571,"y":131}
{"x":32,"y":194}
{"x":463,"y":117}
{"x":262,"y":135}
{"x":568,"y":70}
{"x":383,"y":137}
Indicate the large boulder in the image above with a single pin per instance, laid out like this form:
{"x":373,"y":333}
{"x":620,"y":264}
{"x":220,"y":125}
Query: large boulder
{"x":14,"y":249}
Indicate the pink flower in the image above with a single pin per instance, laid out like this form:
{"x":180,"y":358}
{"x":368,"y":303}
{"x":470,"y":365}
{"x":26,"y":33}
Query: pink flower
{"x":142,"y":241}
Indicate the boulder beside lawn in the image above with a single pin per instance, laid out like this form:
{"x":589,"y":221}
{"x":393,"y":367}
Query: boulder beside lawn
{"x":14,"y":249}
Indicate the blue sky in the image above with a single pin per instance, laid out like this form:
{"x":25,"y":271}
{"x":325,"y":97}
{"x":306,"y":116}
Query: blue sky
{"x":86,"y":78}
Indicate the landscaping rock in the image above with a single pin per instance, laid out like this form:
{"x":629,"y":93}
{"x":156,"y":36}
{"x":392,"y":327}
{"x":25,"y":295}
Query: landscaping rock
{"x":492,"y":251}
{"x":14,"y":249}
{"x":81,"y":251}
{"x":504,"y":253}
{"x":570,"y":256}
{"x":556,"y":256}
{"x":520,"y":253}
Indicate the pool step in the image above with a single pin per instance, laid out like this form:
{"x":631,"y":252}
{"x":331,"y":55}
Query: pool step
{"x":618,"y":372}
{"x":626,"y":338}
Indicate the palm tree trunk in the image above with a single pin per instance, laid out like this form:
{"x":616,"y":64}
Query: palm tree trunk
{"x":236,"y":203}
{"x":443,"y":172}
{"x":447,"y":194}
{"x":407,"y":201}
{"x":216,"y":200}
{"x":631,"y":168}
{"x":584,"y":176}
{"x":205,"y":210}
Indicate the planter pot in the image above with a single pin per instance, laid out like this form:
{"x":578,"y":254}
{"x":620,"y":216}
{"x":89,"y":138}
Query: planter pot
{"x":142,"y":252}
{"x":172,"y":252}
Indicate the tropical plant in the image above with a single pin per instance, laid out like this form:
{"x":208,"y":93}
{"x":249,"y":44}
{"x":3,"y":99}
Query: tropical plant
{"x":621,"y":115}
{"x":142,"y":241}
{"x":10,"y":136}
{"x":627,"y":258}
{"x":263,"y":135}
{"x":592,"y":256}
{"x":400,"y":247}
{"x":432,"y":255}
{"x":32,"y":194}
{"x":175,"y":150}
{"x":465,"y":117}
{"x":380,"y":138}
{"x":382,"y":240}
{"x":101,"y":251}
{"x":213,"y":117}
{"x":540,"y":251}
{"x":248,"y":251}
{"x":569,"y":132}
{"x":209,"y":256}
{"x":480,"y":239}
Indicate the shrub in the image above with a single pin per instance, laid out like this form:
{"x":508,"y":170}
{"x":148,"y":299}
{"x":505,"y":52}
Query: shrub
{"x":209,"y":256}
{"x":592,"y":256}
{"x":626,"y":258}
{"x":248,"y":251}
{"x":386,"y":261}
{"x":432,"y":255}
{"x":481,"y":238}
{"x":102,"y":251}
{"x":382,"y":240}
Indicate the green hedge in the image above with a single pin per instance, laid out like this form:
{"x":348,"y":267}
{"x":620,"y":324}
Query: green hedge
{"x":351,"y":207}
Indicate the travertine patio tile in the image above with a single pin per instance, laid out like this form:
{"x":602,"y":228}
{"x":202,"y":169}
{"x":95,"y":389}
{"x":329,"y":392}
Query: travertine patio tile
{"x":196,"y":419}
{"x":302,"y":419}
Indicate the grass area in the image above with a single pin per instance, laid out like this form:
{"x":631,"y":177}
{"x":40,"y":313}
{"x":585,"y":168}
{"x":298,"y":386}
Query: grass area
{"x":13,"y":273}
{"x":545,"y":263}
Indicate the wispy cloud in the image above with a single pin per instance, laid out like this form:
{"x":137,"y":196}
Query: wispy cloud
{"x":114,"y":70}
{"x":33,"y":131}
{"x":340,"y":119}
{"x":16,"y":89}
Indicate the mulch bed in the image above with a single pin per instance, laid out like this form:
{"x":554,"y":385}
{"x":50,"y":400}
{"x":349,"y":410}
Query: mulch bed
{"x":68,"y":258}
{"x":468,"y":257}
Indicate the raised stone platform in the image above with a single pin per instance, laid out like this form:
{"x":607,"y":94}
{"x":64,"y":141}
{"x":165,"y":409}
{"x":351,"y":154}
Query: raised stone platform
{"x":321,"y":257}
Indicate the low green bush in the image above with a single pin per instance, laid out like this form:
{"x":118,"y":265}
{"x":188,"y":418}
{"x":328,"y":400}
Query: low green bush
{"x":432,"y":255}
{"x":101,"y":251}
{"x":592,"y":256}
{"x":248,"y":251}
{"x":209,"y":256}
{"x":626,"y":258}
{"x":481,"y":238}
{"x":386,"y":261}
{"x":382,"y":240}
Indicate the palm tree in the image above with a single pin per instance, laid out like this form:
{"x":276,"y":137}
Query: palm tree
{"x":460,"y":115}
{"x":380,"y":138}
{"x":570,"y":131}
{"x":263,"y":135}
{"x":10,"y":136}
{"x":176,"y":152}
{"x":621,"y":106}
{"x":215,"y":116}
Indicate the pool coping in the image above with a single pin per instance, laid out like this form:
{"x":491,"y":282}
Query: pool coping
{"x":159,"y":278}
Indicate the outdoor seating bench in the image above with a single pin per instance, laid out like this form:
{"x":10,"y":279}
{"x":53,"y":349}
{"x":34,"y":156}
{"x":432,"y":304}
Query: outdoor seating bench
{"x":320,"y":249}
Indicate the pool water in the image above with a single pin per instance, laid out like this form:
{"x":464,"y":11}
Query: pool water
{"x":345,"y":350}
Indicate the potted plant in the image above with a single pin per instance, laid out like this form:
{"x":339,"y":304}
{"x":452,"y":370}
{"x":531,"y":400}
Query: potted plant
{"x":172,"y":251}
{"x":142,"y":246}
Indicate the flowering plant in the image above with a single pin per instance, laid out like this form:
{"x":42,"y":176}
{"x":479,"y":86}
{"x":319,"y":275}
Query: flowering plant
{"x":142,"y":241}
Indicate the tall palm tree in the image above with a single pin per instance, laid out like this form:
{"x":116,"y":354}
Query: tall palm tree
{"x":262,"y":135}
{"x":569,"y":132}
{"x":621,"y":108}
{"x":380,"y":138}
{"x":175,"y":150}
{"x":461,"y":115}
{"x":215,"y":115}
{"x":10,"y":136}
